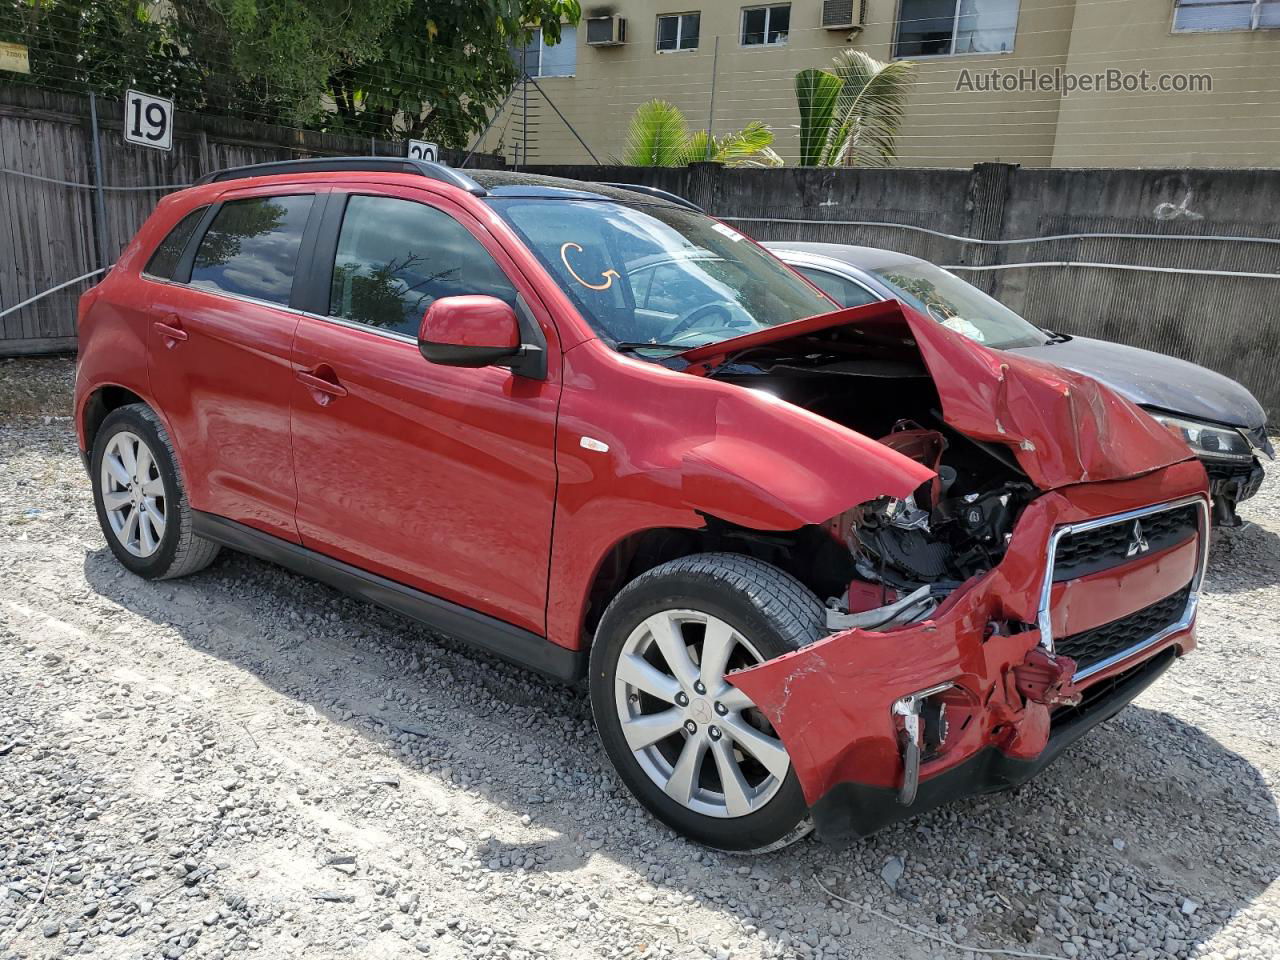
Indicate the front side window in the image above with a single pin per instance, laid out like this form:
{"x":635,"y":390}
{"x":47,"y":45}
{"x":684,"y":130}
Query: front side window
{"x":165,"y":260}
{"x":539,"y":59}
{"x":251,"y":248}
{"x":678,"y":31}
{"x":940,"y":28}
{"x":766,"y":26}
{"x":1196,"y":15}
{"x":657,"y":274}
{"x":396,"y":257}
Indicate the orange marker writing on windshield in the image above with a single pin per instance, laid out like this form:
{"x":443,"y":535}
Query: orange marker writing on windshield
{"x":608,"y":275}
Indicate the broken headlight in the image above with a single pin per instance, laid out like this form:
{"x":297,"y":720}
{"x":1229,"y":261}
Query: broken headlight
{"x":1207,"y":439}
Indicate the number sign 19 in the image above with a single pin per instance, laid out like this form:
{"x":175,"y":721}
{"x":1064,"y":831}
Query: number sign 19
{"x":148,"y":121}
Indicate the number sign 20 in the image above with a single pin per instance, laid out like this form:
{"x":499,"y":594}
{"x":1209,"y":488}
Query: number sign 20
{"x":148,"y":121}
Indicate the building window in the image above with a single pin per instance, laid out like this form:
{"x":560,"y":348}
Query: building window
{"x":942,"y":28}
{"x":1195,"y":15}
{"x":766,"y":26}
{"x":546,"y":60}
{"x":678,"y":31}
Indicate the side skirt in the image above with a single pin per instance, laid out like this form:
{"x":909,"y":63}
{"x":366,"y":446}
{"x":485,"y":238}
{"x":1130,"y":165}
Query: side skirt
{"x":495,"y":636}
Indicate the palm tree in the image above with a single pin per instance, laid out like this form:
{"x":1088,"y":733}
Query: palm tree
{"x":851,"y":113}
{"x":659,"y":137}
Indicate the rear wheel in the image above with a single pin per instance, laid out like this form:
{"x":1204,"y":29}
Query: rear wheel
{"x":140,"y":498}
{"x":688,"y":744}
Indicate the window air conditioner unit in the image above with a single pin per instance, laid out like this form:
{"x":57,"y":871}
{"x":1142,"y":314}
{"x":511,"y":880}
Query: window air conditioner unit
{"x":606,"y":31}
{"x":841,"y":14}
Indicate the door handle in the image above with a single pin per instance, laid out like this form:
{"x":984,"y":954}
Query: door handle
{"x":323,"y":384}
{"x":170,"y":329}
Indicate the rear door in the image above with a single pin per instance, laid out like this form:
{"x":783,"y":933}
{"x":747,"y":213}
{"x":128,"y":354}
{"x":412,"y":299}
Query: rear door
{"x":219,"y":351}
{"x":440,"y":478}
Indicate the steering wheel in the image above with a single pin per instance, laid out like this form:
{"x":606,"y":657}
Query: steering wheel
{"x":722,"y":307}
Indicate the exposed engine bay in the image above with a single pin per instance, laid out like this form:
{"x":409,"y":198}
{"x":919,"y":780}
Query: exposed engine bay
{"x":909,"y":554}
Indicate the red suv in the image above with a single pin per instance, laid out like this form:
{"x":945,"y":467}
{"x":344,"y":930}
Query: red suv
{"x":824,"y":568}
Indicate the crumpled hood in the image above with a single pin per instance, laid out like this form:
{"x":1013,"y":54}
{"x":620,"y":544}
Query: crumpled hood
{"x":1062,"y":426}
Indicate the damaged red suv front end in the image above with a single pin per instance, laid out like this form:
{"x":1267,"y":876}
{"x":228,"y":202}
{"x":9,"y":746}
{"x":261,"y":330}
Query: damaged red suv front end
{"x":1092,"y":597}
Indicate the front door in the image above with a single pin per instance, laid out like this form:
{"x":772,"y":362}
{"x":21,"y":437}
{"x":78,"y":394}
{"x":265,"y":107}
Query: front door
{"x":219,"y":349}
{"x":440,"y":478}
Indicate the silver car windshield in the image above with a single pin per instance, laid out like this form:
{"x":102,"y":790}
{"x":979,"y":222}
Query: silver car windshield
{"x":957,"y":305}
{"x":657,"y":274}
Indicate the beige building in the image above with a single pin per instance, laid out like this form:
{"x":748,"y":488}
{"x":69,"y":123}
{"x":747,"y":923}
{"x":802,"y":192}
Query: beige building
{"x":1036,"y":82}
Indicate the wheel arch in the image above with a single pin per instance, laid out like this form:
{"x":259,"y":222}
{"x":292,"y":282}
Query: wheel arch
{"x":106,"y":397}
{"x":809,"y":553}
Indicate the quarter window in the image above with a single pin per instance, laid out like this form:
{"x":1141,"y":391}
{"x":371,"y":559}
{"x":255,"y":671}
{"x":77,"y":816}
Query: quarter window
{"x":396,"y":257}
{"x":766,"y":26}
{"x":539,"y":59}
{"x":678,"y":31}
{"x":940,"y":28}
{"x":1193,"y":15}
{"x":251,"y":248}
{"x":165,"y":260}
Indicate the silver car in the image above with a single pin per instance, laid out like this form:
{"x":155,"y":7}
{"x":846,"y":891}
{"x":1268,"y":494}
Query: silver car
{"x":1220,"y":420}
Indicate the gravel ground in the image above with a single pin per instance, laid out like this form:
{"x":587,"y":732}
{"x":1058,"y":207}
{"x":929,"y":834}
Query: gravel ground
{"x":248,"y":761}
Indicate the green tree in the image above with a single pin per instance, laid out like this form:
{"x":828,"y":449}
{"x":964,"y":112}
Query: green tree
{"x":101,"y":45}
{"x":659,"y":137}
{"x":389,"y":68}
{"x":851,"y":113}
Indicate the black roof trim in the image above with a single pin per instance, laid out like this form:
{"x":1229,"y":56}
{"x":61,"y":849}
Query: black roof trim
{"x":423,"y":168}
{"x":656,"y":192}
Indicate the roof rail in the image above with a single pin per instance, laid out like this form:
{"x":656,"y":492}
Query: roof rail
{"x":656,"y":192}
{"x":423,"y":168}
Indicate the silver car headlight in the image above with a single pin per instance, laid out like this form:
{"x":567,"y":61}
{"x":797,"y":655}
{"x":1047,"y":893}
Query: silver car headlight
{"x":1208,"y":440}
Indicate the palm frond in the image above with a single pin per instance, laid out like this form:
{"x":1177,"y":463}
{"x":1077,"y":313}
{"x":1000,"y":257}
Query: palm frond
{"x":816,"y":93}
{"x":741,"y":146}
{"x":870,"y":107}
{"x":657,"y":136}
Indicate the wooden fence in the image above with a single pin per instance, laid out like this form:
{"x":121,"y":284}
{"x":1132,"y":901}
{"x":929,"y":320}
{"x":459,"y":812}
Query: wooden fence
{"x":49,"y":231}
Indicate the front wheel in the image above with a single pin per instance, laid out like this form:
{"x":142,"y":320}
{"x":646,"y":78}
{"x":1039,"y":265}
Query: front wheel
{"x":692,"y":748}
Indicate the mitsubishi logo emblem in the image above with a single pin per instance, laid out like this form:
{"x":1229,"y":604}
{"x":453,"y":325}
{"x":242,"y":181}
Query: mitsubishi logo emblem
{"x":1139,"y":542}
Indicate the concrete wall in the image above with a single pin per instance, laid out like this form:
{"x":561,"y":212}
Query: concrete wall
{"x":1237,"y":124}
{"x":1228,"y":324}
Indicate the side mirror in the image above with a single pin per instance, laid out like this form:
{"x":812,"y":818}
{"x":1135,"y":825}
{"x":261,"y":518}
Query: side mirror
{"x":469,"y":331}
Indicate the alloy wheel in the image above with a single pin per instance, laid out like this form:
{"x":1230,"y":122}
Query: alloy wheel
{"x":133,"y":494}
{"x":700,"y":739}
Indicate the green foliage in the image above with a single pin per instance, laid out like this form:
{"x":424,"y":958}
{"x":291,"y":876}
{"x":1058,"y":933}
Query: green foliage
{"x":388,"y":68}
{"x":659,"y":137}
{"x":851,"y":113}
{"x":101,"y":45}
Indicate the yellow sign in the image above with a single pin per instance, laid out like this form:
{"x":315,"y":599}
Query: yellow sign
{"x":13,"y":57}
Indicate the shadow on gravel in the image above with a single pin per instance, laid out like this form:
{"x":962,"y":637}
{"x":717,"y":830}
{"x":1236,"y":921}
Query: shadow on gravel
{"x":1243,"y":558}
{"x":1143,"y":840}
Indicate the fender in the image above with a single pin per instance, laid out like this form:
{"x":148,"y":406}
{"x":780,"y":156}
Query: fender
{"x":664,"y":448}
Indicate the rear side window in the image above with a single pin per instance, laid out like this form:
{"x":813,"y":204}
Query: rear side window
{"x":842,"y":291}
{"x":251,"y":248}
{"x":396,"y":257}
{"x":165,"y":259}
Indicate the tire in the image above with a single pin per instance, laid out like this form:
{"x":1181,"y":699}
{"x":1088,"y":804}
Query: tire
{"x":149,"y":527}
{"x":702,"y":604}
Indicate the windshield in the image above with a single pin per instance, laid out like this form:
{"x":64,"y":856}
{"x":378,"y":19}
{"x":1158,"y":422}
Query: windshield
{"x":653,"y":274}
{"x":959,"y":306}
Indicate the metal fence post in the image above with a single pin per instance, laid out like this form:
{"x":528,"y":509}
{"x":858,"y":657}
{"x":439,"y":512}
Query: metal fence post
{"x":711,"y":106}
{"x":100,"y":195}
